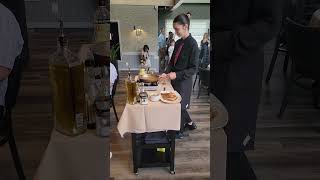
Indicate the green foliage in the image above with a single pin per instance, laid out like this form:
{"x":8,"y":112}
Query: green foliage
{"x":114,"y":51}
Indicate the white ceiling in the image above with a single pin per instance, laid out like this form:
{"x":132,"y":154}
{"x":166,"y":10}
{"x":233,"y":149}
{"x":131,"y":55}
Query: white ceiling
{"x":196,"y":1}
{"x":180,"y":2}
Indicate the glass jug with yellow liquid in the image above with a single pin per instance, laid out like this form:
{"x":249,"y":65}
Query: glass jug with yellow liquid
{"x":131,"y":87}
{"x":68,"y":85}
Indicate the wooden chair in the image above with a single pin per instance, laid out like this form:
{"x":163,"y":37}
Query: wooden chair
{"x":303,"y":48}
{"x":204,"y":80}
{"x":195,"y":80}
{"x":293,"y":10}
{"x":280,"y":46}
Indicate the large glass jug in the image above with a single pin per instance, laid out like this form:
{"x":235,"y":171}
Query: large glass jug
{"x":68,"y":86}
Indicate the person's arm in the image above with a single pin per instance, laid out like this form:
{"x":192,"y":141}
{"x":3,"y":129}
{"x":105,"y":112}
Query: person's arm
{"x":169,"y":67}
{"x":201,"y":51}
{"x":4,"y":72}
{"x":170,"y":51}
{"x":160,"y":41}
{"x":251,"y":37}
{"x":193,"y":63}
{"x":315,"y":19}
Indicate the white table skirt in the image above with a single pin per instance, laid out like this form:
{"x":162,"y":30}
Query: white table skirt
{"x":84,"y":157}
{"x":156,"y":116}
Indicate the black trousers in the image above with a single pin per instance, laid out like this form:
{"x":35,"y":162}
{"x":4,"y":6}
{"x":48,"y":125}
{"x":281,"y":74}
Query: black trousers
{"x":185,"y":118}
{"x":238,"y":167}
{"x":1,"y":111}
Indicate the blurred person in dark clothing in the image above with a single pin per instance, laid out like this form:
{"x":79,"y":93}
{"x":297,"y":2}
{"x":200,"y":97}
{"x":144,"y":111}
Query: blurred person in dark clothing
{"x":240,"y":31}
{"x":204,"y":52}
{"x":182,"y":67}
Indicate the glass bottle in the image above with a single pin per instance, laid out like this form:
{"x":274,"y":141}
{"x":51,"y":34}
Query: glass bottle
{"x":101,"y":23}
{"x":67,"y":81}
{"x":131,"y":86}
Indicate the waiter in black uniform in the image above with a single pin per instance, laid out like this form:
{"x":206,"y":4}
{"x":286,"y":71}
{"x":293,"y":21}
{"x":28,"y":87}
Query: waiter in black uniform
{"x":182,"y":67}
{"x":240,"y":31}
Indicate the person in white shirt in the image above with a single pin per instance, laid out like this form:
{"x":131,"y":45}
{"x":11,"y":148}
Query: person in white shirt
{"x":189,"y":15}
{"x":113,"y":76}
{"x":11,"y":44}
{"x":170,"y":49}
{"x":145,"y":57}
{"x":162,"y":39}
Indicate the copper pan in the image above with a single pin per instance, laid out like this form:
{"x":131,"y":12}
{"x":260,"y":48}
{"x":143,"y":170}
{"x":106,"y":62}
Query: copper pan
{"x":149,"y":78}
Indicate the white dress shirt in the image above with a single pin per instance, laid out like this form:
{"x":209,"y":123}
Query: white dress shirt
{"x":113,"y":76}
{"x":170,"y":51}
{"x":11,"y":44}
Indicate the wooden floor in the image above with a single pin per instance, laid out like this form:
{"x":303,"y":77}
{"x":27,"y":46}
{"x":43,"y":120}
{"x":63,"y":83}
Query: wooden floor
{"x":286,"y":149}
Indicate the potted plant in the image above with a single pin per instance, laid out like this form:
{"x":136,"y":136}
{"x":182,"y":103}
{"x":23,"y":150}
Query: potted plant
{"x":114,"y":52}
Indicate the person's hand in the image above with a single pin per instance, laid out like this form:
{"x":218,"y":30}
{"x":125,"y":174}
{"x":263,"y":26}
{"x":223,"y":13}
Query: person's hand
{"x":163,"y":76}
{"x":172,"y":75}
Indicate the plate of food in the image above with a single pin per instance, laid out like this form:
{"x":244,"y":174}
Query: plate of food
{"x":170,"y":97}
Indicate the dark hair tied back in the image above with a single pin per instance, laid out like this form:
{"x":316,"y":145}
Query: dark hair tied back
{"x":145,"y":48}
{"x":182,"y":19}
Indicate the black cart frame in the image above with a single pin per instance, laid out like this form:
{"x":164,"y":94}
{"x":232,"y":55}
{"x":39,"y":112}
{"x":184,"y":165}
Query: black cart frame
{"x":138,"y":146}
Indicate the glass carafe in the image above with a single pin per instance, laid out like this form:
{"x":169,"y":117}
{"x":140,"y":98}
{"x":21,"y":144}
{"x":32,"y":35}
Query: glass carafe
{"x":131,"y":86}
{"x":68,"y":88}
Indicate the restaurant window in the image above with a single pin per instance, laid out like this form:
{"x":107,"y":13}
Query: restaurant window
{"x":197,"y":28}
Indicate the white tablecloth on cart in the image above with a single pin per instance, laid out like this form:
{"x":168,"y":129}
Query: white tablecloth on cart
{"x":156,"y":116}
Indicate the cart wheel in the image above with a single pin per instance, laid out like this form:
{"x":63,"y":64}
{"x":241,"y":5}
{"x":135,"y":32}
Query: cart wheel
{"x":172,"y":172}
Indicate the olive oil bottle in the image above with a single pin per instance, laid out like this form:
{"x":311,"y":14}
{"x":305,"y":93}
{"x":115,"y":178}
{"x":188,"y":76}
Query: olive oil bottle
{"x":68,"y":88}
{"x":101,"y":18}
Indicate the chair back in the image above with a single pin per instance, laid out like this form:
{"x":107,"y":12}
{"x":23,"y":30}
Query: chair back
{"x":304,"y":48}
{"x":204,"y":76}
{"x":14,"y":83}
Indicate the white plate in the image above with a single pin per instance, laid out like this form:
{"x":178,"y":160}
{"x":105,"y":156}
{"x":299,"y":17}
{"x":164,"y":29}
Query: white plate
{"x":154,"y":98}
{"x":178,"y":100}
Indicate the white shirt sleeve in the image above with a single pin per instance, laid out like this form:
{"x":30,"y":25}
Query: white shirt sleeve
{"x":170,"y":51}
{"x":11,"y":41}
{"x":113,"y":76}
{"x":113,"y":73}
